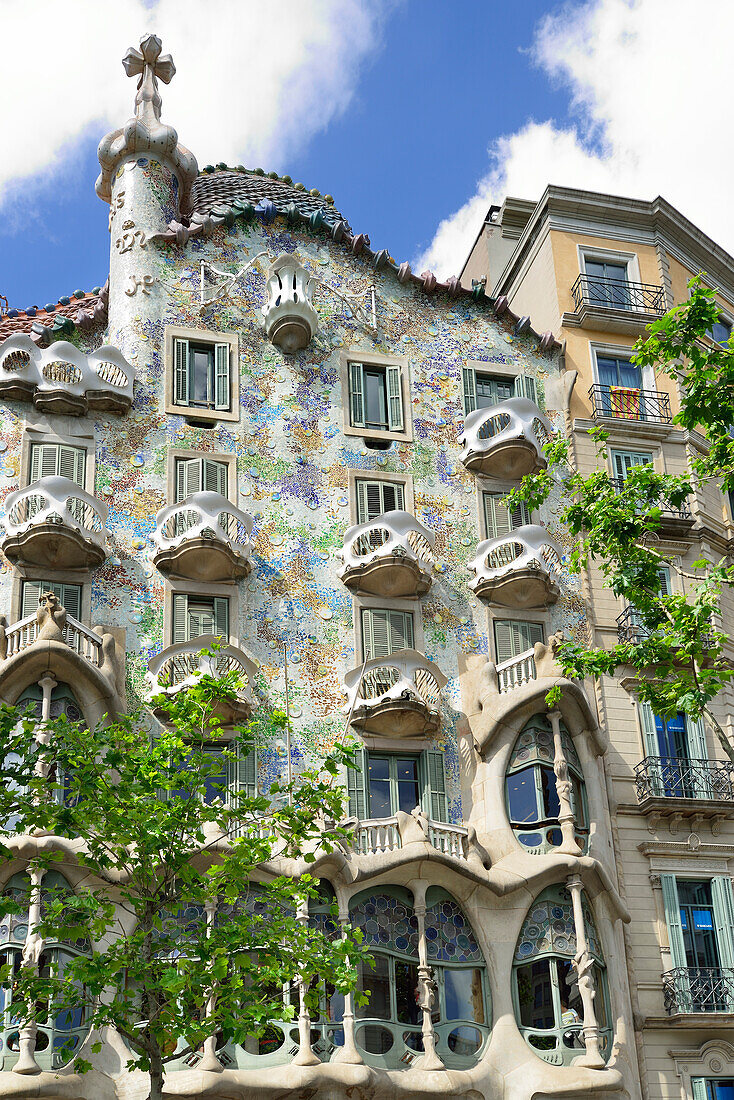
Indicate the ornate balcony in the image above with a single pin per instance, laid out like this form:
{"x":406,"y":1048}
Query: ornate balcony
{"x":55,"y":524}
{"x":389,"y":556}
{"x":520,"y":569}
{"x":62,"y":379}
{"x":623,"y":403}
{"x":669,"y":778}
{"x":180,"y":665}
{"x":506,"y":440}
{"x":87,"y":643}
{"x":289,"y":316}
{"x":614,"y":306}
{"x":698,"y":989}
{"x":516,"y":672}
{"x":673,"y":521}
{"x":381,"y":835}
{"x":396,"y":696}
{"x":204,"y":538}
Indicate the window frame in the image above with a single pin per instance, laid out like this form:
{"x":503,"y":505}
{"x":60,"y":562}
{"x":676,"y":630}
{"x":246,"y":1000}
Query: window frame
{"x":209,"y":337}
{"x":79,"y":436}
{"x":379,"y":475}
{"x":372,"y":359}
{"x":618,"y":351}
{"x":380,"y":603}
{"x":630,"y":260}
{"x":483,"y":493}
{"x":531,"y":619}
{"x":175,"y":586}
{"x":523,"y":385}
{"x":185,"y":454}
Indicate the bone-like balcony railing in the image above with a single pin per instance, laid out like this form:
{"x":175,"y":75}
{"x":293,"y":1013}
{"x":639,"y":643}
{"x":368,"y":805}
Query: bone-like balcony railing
{"x":394,"y":539}
{"x":181,"y":664}
{"x":204,"y":515}
{"x":87,"y":643}
{"x":507,"y":556}
{"x":406,"y":676}
{"x":517,"y":671}
{"x":506,"y":440}
{"x":56,"y":500}
{"x":64,"y":379}
{"x":379,"y":835}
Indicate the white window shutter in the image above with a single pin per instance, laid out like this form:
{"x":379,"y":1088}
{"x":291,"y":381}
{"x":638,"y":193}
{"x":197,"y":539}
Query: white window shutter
{"x":182,"y":480}
{"x":181,"y":371}
{"x":698,"y":1088}
{"x":721,"y":895}
{"x":45,"y":460}
{"x":525,"y":387}
{"x":401,"y":630}
{"x":469,"y":389}
{"x":375,"y":633}
{"x":375,"y":500}
{"x":180,"y":617}
{"x":696,"y":731}
{"x":246,"y":771}
{"x":215,"y":477}
{"x":71,"y":464}
{"x":649,"y":732}
{"x":503,"y":641}
{"x":356,"y":394}
{"x":222,"y":397}
{"x":394,"y":399}
{"x":32,"y":591}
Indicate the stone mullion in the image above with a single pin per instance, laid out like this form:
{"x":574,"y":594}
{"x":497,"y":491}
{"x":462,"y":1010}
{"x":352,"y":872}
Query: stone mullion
{"x":566,"y":815}
{"x":584,"y":962}
{"x":32,"y":949}
{"x":429,"y":1060}
{"x":347,"y":1053}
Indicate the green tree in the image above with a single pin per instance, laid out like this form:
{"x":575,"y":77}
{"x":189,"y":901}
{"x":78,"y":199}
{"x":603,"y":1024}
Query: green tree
{"x":676,"y":650}
{"x":195,"y":932}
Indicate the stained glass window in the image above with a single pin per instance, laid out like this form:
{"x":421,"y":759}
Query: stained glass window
{"x":449,"y":937}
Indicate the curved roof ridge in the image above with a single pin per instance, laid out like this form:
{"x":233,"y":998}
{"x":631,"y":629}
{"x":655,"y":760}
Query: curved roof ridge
{"x":57,"y":321}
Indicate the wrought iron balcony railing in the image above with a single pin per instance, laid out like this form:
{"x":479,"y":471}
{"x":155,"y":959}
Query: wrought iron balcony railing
{"x":698,"y":989}
{"x":670,"y":777}
{"x":683,"y":512}
{"x":625,"y":403}
{"x":506,"y":440}
{"x":595,"y":291}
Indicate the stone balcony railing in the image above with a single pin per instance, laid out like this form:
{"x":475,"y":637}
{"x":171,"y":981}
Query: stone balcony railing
{"x":516,"y":672}
{"x":62,"y":379}
{"x":506,"y":441}
{"x":380,"y":835}
{"x":205,"y":538}
{"x":698,"y":989}
{"x":183,"y":663}
{"x":55,"y":524}
{"x":521,"y":569}
{"x":397,"y":696}
{"x":390,"y":556}
{"x":87,"y":643}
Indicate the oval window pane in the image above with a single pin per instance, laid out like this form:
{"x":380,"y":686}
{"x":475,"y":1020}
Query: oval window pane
{"x":374,"y":1039}
{"x":465,"y":1040}
{"x":413,"y":1040}
{"x":270,"y":1040}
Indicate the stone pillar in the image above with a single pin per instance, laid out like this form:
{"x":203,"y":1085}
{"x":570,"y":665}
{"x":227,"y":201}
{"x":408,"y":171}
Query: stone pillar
{"x":348,"y":1053}
{"x":306,"y":1056}
{"x":209,"y":1060}
{"x":566,"y":816}
{"x":584,"y":962}
{"x":32,"y":949}
{"x":429,"y":1060}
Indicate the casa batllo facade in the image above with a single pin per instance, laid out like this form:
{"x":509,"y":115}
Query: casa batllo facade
{"x":263,"y":430}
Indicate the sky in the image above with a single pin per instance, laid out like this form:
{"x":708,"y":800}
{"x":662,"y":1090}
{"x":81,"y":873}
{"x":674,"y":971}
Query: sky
{"x":416,"y":115}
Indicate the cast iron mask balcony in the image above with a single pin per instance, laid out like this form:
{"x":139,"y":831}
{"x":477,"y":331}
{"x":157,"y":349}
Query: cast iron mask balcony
{"x":204,"y":538}
{"x":596,"y":292}
{"x":55,"y":524}
{"x":624,"y":403}
{"x":389,"y":556}
{"x":396,"y":696}
{"x":62,"y":379}
{"x":180,"y":665}
{"x":670,"y":777}
{"x":698,"y":989}
{"x":506,"y":440}
{"x":519,"y":569}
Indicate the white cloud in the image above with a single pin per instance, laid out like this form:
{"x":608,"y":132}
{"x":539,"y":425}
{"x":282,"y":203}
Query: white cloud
{"x":649,"y":82}
{"x":255,"y":79}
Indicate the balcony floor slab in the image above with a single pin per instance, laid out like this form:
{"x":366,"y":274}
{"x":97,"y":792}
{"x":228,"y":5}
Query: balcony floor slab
{"x":523,"y":588}
{"x":393,"y":577}
{"x":398,"y":718}
{"x":202,"y":559}
{"x":510,"y":461}
{"x":53,"y":546}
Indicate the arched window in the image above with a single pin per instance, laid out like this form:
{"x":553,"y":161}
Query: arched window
{"x":532,"y":797}
{"x":389,"y":1028}
{"x":63,"y":701}
{"x":547,"y":1000}
{"x":58,"y":1039}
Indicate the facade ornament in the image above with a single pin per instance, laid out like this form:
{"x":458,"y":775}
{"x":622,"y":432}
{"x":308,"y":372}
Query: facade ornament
{"x":32,"y":949}
{"x":51,"y":618}
{"x":140,"y":282}
{"x":583,"y":964}
{"x":290,"y":318}
{"x":347,"y":1053}
{"x":427,"y":991}
{"x":145,"y":134}
{"x":564,"y":787}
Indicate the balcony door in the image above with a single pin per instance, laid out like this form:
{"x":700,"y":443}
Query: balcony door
{"x":700,"y":919}
{"x":677,"y":755}
{"x":713,"y":1088}
{"x":513,"y":637}
{"x":374,"y":498}
{"x":697,"y":923}
{"x":607,"y":284}
{"x":194,"y":616}
{"x":383,"y":783}
{"x":385,"y":632}
{"x":196,"y":474}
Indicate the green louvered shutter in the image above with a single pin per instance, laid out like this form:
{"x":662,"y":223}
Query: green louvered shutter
{"x":375,"y":633}
{"x":357,"y":785}
{"x":71,"y":464}
{"x":513,"y":637}
{"x":244,"y":766}
{"x":393,"y":496}
{"x":356,"y":394}
{"x":696,"y":733}
{"x":222,"y":399}
{"x":70,"y":596}
{"x":525,"y":387}
{"x":180,"y":617}
{"x":433,"y":785}
{"x":394,"y":399}
{"x":49,"y":459}
{"x":500,"y":521}
{"x":665,"y":587}
{"x":181,"y":371}
{"x":721,"y":893}
{"x":221,"y":617}
{"x":698,"y":1088}
{"x":673,"y":921}
{"x":651,"y":748}
{"x":469,"y":389}
{"x":188,"y":478}
{"x":624,"y":461}
{"x":215,"y":476}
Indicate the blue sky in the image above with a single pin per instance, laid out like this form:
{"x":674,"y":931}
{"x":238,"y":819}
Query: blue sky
{"x":414,"y":114}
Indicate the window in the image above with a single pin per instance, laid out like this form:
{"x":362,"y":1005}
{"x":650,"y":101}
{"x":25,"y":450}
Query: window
{"x":616,"y":372}
{"x":69,"y":596}
{"x":383,"y":783}
{"x":532,"y":799}
{"x":192,"y":475}
{"x":548,"y":1004}
{"x":514,"y":636}
{"x":386,"y":632}
{"x":57,"y":459}
{"x":202,"y":375}
{"x":700,"y":918}
{"x":231,"y":776}
{"x":388,"y":1029}
{"x":712,"y":1088}
{"x":194,"y":616}
{"x":498,"y":519}
{"x":482,"y":391}
{"x":376,"y":397}
{"x":624,"y":461}
{"x":376,"y":497}
{"x":675,"y":749}
{"x":607,"y":284}
{"x":720,"y":332}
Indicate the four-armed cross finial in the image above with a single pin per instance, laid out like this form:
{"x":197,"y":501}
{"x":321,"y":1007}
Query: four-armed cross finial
{"x":151,"y":66}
